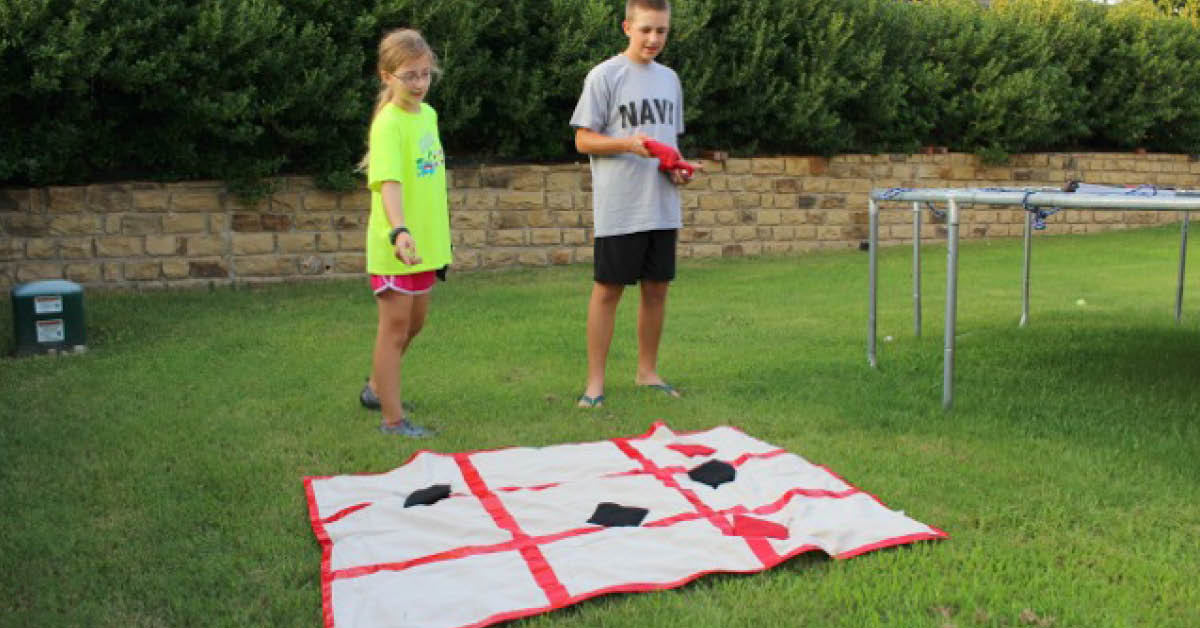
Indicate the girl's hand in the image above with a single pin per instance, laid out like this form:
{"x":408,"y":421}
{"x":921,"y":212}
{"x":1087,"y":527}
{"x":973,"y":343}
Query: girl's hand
{"x":406,"y":249}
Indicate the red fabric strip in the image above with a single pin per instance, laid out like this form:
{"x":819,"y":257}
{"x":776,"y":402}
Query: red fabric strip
{"x":668,"y":479}
{"x":345,"y":511}
{"x":542,"y":573}
{"x":326,"y":553}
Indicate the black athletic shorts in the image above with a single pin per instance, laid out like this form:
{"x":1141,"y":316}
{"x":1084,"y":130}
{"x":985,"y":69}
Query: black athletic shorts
{"x":625,"y":259}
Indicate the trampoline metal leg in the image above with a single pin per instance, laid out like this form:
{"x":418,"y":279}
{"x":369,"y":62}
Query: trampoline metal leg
{"x":1025,"y":268}
{"x":1183,"y":242}
{"x":951,"y":304}
{"x":917,"y":269}
{"x":873,"y":281}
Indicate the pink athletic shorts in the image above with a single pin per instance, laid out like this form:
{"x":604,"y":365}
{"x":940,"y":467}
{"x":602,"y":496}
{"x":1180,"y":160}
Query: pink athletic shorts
{"x":418,"y":283}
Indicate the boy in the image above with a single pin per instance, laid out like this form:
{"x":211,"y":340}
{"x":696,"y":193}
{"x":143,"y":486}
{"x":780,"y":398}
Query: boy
{"x":626,"y":100}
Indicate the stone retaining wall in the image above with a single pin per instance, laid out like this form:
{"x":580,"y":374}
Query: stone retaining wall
{"x":147,"y":235}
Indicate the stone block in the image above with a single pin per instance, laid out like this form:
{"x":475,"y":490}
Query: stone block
{"x":532,"y":258}
{"x":154,"y":200}
{"x":470,"y":220}
{"x":716,"y":202}
{"x":528,"y":182}
{"x":356,"y":200}
{"x":786,"y":186}
{"x":350,"y":222}
{"x":520,"y":200}
{"x":11,"y":248}
{"x":204,"y":246}
{"x":510,"y":219}
{"x":747,"y":200}
{"x":737,"y":166}
{"x":352,"y":241}
{"x":327,"y":242}
{"x":559,"y":201}
{"x":245,"y":222}
{"x":265,"y":266}
{"x":176,"y":269}
{"x":15,"y":200}
{"x":60,"y":200}
{"x":481,"y":199}
{"x":275,"y":222}
{"x":253,"y":244}
{"x":744,"y":234}
{"x":141,"y":224}
{"x":508,"y":237}
{"x":498,"y":258}
{"x":465,"y":259}
{"x":38,"y":271}
{"x":474,"y":238}
{"x":199,"y":269}
{"x":313,"y":221}
{"x":545,"y":236}
{"x":321,"y":200}
{"x":118,"y":246}
{"x":142,"y":271}
{"x":83,"y":273}
{"x":41,"y":248}
{"x":350,"y":263}
{"x":562,"y":182}
{"x":196,"y":201}
{"x":73,"y":224}
{"x":75,"y":248}
{"x":560,"y":257}
{"x":184,"y":223}
{"x":285,"y":203}
{"x":313,"y":265}
{"x":164,"y":245}
{"x":576,"y":237}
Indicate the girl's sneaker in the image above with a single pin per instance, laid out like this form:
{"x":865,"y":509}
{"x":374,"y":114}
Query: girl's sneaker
{"x":406,"y":428}
{"x":370,"y":400}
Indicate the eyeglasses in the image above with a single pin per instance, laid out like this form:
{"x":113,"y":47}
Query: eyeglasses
{"x":413,"y":78}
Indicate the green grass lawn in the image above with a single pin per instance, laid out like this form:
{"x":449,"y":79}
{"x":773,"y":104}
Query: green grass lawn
{"x":156,"y":479}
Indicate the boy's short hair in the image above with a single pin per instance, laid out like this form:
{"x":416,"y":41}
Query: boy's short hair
{"x":649,"y":5}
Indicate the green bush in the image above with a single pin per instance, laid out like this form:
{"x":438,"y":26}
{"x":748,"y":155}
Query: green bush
{"x":243,"y":89}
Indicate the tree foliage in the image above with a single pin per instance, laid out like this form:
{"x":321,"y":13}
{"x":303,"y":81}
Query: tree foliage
{"x":244,"y":89}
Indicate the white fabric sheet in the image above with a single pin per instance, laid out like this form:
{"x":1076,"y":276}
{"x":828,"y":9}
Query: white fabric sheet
{"x":513,"y":540}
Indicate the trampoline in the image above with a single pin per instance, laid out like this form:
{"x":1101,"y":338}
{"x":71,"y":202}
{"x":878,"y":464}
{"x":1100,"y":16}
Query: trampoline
{"x":1038,"y":203}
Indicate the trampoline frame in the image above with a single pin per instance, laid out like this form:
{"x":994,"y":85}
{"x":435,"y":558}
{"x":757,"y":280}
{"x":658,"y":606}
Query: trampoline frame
{"x":1027,"y":198}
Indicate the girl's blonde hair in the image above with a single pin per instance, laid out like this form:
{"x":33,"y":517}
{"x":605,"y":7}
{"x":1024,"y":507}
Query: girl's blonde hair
{"x":397,"y":48}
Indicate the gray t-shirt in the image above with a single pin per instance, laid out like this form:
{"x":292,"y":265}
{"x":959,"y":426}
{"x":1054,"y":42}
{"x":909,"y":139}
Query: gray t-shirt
{"x":621,"y":97}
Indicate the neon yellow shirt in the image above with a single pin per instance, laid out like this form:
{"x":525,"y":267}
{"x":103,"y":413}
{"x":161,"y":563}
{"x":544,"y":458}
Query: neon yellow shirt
{"x":404,"y":147}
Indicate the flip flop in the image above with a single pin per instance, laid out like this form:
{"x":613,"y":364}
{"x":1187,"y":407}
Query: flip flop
{"x":665,"y":388}
{"x":585,"y":401}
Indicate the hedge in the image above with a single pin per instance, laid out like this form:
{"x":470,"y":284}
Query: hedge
{"x":239,"y":90}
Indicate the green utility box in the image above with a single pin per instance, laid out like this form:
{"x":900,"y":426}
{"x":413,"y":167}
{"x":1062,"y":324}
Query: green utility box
{"x":48,"y":317}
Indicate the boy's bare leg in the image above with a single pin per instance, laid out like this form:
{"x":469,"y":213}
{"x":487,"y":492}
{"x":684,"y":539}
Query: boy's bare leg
{"x":392,"y":338}
{"x":651,"y":313}
{"x":602,"y":310}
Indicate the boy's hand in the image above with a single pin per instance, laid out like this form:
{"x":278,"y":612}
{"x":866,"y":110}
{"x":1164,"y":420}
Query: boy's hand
{"x":406,"y":249}
{"x":637,"y":145}
{"x":680,"y":177}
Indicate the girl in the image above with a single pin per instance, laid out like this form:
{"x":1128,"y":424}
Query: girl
{"x":408,"y":234}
